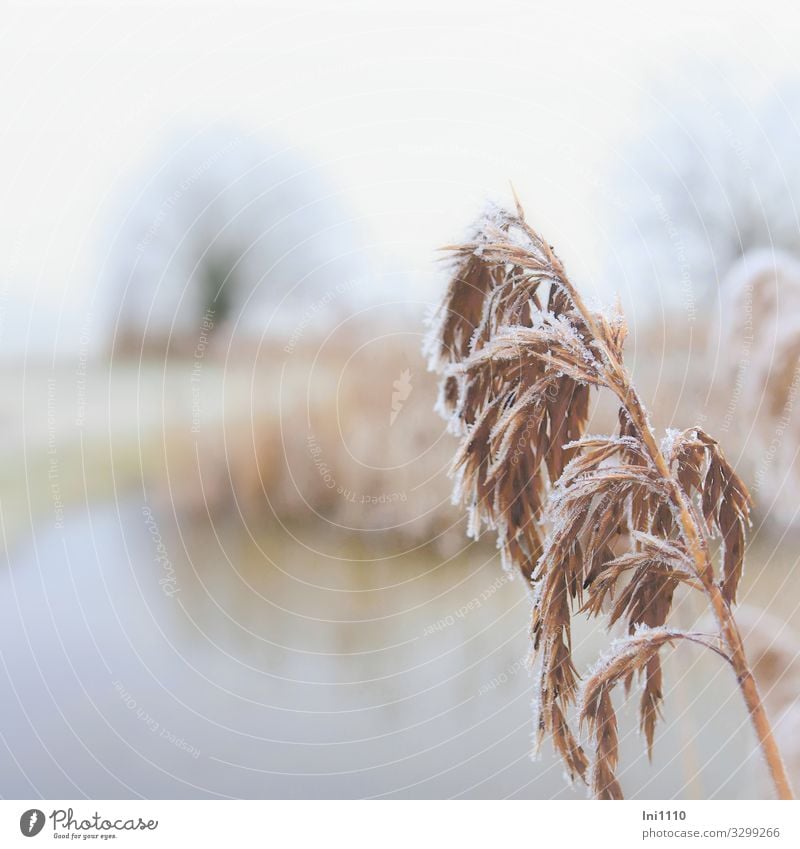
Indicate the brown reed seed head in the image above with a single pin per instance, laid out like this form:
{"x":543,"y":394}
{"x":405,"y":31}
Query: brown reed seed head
{"x":519,"y":353}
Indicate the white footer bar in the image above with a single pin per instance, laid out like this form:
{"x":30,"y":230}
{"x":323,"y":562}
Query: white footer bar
{"x":388,"y":824}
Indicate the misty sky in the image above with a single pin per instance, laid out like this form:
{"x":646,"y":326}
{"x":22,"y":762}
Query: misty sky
{"x":417,"y":115}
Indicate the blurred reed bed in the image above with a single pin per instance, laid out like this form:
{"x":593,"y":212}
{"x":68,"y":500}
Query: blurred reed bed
{"x":340,"y":439}
{"x":319,"y":439}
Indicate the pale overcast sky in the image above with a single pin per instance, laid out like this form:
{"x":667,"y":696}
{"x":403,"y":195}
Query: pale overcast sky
{"x":418,"y":110}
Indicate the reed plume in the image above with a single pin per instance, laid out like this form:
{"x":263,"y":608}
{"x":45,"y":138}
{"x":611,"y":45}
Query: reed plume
{"x":594,"y":523}
{"x":757,"y":340}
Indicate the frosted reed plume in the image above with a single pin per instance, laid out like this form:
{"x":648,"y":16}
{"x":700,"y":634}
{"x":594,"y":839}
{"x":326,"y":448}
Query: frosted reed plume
{"x":757,"y":338}
{"x":519,"y":355}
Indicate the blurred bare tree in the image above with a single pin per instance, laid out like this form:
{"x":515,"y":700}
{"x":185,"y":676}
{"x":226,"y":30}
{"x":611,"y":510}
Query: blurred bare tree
{"x":713,"y":174}
{"x":223,"y":231}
